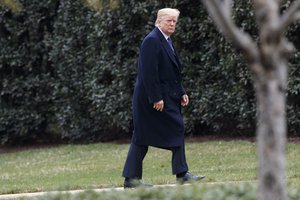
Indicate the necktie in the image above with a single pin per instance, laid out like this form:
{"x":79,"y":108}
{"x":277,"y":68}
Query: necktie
{"x":170,"y":43}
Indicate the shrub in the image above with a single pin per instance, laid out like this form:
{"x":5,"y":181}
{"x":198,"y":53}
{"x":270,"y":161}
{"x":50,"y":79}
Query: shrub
{"x":25,"y":72}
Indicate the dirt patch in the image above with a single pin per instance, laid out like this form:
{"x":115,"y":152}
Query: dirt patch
{"x":294,"y":139}
{"x":189,"y":139}
{"x":12,"y":149}
{"x":219,"y":138}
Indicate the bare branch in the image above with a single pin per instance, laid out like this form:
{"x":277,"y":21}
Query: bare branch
{"x":266,"y":12}
{"x":219,"y":13}
{"x":216,"y":13}
{"x":290,"y":16}
{"x":227,"y":4}
{"x":297,"y":16}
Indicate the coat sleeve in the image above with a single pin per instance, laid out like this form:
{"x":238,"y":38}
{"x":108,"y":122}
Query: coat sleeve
{"x":148,"y":64}
{"x":182,"y":90}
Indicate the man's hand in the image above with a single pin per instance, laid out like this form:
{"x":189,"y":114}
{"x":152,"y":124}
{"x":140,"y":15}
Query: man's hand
{"x":159,"y":106}
{"x":184,"y":100}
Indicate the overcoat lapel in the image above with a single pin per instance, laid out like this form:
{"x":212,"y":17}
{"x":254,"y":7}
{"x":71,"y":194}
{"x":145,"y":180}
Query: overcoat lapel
{"x":168,"y":49}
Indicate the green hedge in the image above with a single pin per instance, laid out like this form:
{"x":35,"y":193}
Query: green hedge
{"x":67,"y":72}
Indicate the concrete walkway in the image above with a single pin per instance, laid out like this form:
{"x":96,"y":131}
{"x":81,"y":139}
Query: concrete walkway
{"x":37,"y":194}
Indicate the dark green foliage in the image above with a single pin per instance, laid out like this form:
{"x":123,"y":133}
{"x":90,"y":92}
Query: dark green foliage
{"x":216,"y":77}
{"x":67,"y":72}
{"x":25,"y":72}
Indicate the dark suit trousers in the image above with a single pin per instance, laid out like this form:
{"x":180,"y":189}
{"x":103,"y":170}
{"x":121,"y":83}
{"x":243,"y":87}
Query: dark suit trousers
{"x":134,"y":163}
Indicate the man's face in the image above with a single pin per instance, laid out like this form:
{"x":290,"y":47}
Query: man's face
{"x":168,"y":25}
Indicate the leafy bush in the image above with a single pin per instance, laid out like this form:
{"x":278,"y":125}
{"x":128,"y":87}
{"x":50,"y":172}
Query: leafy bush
{"x":67,"y":72}
{"x":26,"y":82}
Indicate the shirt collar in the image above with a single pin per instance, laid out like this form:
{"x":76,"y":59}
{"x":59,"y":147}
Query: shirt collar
{"x":166,"y":37}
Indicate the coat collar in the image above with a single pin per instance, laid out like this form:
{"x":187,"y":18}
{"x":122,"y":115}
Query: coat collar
{"x":167,"y":48}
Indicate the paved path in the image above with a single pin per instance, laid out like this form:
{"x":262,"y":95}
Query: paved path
{"x":37,"y":194}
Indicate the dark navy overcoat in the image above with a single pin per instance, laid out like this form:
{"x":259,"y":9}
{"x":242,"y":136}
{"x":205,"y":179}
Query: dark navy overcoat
{"x":158,"y":78}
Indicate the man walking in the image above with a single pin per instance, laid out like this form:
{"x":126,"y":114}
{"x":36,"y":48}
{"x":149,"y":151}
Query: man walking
{"x":157,"y":100}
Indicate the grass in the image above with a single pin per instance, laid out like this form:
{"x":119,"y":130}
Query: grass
{"x":100,"y":165}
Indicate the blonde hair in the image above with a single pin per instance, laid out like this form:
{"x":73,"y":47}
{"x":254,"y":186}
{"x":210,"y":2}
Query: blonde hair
{"x":166,"y":12}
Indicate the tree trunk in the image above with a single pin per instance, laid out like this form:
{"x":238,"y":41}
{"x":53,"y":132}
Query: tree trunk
{"x":271,"y":135}
{"x":268,"y":63}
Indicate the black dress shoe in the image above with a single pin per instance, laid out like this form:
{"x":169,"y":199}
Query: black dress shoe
{"x":135,"y":183}
{"x":188,"y":177}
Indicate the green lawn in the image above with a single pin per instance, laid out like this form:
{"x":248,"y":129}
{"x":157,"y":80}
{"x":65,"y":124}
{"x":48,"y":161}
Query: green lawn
{"x":100,"y":165}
